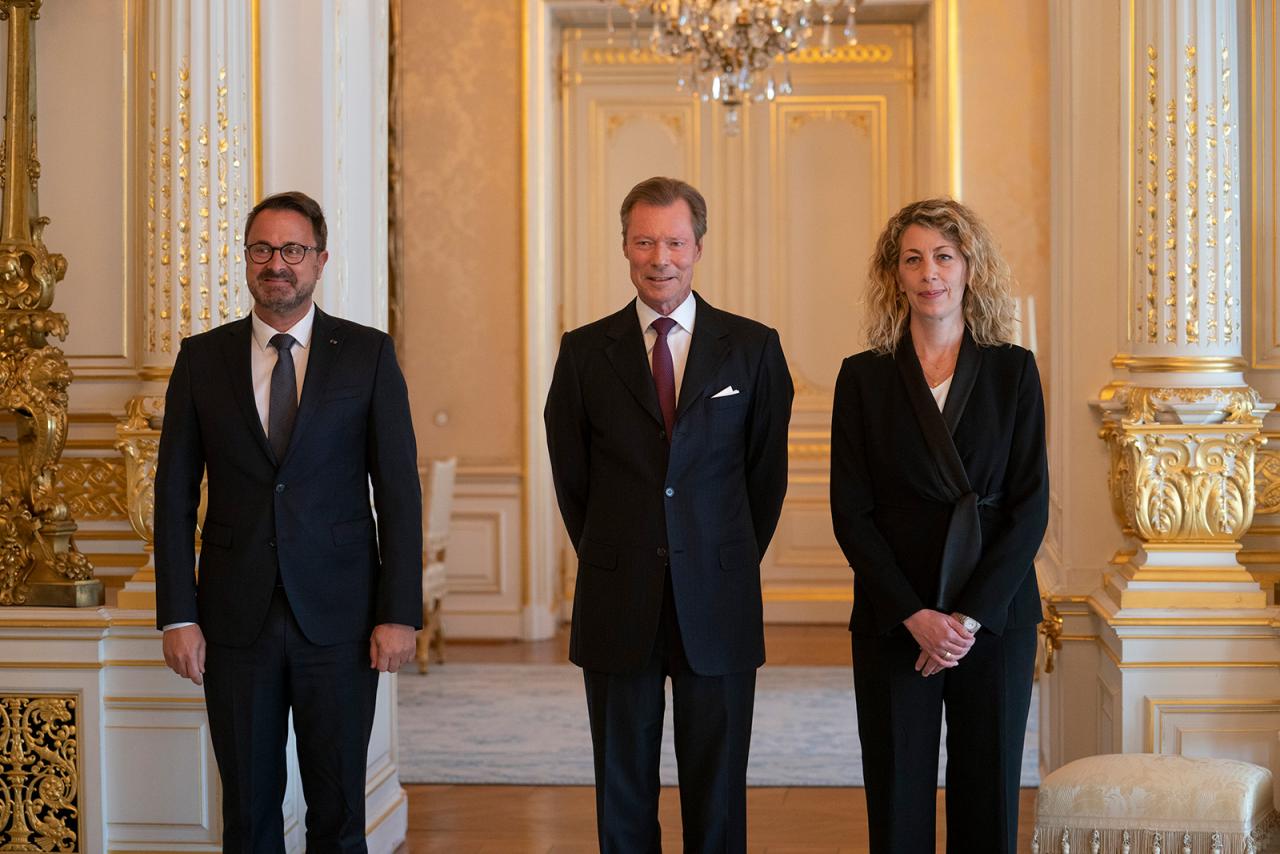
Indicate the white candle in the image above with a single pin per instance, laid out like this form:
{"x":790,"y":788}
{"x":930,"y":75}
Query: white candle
{"x":1029,"y":318}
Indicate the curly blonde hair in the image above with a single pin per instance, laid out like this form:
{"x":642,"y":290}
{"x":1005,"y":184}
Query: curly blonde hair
{"x":988,"y":302}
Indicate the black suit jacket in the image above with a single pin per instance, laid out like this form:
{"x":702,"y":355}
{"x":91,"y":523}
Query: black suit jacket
{"x":307,"y":516}
{"x":882,"y":471}
{"x":708,"y":503}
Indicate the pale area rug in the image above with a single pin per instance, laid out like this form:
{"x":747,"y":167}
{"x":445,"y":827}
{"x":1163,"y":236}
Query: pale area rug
{"x":527,"y":724}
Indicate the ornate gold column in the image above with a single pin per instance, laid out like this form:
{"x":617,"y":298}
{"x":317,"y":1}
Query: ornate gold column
{"x":199,"y":170}
{"x":39,"y":563}
{"x":200,"y":79}
{"x":1182,"y":425}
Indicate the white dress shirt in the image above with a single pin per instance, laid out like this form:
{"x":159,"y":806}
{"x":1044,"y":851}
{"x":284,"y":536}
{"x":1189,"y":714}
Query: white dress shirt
{"x":262,"y":359}
{"x":678,"y":339}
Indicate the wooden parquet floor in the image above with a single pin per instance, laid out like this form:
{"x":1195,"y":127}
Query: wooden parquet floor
{"x":561,"y":819}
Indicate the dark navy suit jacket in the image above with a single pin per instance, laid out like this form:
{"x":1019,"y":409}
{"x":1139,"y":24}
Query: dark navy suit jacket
{"x":708,"y":503}
{"x":307,"y":517}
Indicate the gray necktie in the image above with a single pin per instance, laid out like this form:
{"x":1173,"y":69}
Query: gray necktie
{"x":282,"y":409}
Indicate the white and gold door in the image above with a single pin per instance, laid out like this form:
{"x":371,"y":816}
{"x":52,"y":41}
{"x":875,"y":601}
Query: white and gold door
{"x":795,"y":202}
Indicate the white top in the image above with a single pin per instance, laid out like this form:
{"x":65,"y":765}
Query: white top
{"x":678,"y":339}
{"x":940,"y":391}
{"x":262,"y":357}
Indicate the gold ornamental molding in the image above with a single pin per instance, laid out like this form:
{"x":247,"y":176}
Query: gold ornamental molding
{"x":1051,"y":628}
{"x":39,"y":772}
{"x":877,"y":54}
{"x":1266,"y":475}
{"x":859,"y":53}
{"x":1146,"y":405}
{"x":1179,"y":364}
{"x":39,"y":563}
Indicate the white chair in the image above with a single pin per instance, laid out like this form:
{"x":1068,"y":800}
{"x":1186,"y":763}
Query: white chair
{"x":435,"y":581}
{"x":1154,"y":803}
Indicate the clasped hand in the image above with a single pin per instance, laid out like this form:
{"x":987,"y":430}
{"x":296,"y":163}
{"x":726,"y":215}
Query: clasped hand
{"x":942,"y":638}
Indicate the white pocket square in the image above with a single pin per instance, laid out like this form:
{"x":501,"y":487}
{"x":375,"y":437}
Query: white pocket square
{"x":727,"y":391}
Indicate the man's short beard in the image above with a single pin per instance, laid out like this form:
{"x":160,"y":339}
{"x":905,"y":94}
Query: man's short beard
{"x":281,"y":305}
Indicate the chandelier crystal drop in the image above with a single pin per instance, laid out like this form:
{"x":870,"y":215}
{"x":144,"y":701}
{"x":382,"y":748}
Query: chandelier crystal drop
{"x":730,"y":45}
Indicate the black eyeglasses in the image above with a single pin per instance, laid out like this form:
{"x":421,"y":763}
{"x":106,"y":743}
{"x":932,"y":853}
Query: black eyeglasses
{"x":292,"y":253}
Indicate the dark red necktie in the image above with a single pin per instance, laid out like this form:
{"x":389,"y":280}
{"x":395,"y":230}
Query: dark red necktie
{"x":664,"y":373}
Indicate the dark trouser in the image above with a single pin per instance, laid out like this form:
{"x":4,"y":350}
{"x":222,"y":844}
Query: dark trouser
{"x":986,"y":699}
{"x":249,"y":692}
{"x":712,"y":717}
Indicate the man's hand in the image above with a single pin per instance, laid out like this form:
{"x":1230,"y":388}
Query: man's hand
{"x":391,"y":645}
{"x":184,"y":652}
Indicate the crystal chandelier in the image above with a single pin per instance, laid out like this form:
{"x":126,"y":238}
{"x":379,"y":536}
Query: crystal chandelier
{"x":731,"y":44}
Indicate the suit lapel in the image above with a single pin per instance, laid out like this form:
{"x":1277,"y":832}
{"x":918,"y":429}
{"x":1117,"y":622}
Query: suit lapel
{"x":707,"y":351}
{"x":627,"y":355}
{"x":326,"y":342}
{"x":966,"y":373}
{"x":953,"y":480}
{"x":236,"y":356}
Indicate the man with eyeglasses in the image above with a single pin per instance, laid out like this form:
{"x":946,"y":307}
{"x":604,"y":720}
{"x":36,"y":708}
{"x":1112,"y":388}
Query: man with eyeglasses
{"x":301,"y":598}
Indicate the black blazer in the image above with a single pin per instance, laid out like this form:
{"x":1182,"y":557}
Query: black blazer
{"x":882,"y":472}
{"x":708,"y":503}
{"x":307,"y":516}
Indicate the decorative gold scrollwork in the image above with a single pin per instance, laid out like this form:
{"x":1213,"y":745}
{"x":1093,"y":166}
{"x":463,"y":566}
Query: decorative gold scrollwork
{"x":139,"y":440}
{"x":1051,"y":628}
{"x":39,"y":773}
{"x":1178,"y":485}
{"x":1266,"y":473}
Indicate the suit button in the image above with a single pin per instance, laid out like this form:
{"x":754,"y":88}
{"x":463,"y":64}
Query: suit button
{"x":670,"y":492}
{"x":662,"y":552}
{"x":662,"y":435}
{"x":279,"y":487}
{"x":272,"y":543}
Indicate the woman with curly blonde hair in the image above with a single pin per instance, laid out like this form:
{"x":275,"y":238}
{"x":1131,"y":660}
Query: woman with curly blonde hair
{"x":939,"y":498}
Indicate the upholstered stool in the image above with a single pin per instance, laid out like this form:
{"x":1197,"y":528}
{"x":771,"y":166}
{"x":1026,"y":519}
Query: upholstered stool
{"x":1154,"y":803}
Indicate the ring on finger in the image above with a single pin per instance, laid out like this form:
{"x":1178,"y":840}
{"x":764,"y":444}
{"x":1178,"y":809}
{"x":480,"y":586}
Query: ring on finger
{"x":946,"y":654}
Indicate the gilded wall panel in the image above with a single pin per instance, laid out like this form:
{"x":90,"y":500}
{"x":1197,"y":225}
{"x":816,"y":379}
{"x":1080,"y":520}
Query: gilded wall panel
{"x":1263,"y":241}
{"x":86,"y":92}
{"x":629,"y":141}
{"x":1217,"y":727}
{"x":1004,"y":75}
{"x":826,"y":213}
{"x":39,"y":773}
{"x":92,"y":486}
{"x":461,"y":181}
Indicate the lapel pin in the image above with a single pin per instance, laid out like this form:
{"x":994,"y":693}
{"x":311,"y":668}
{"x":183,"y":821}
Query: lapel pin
{"x":333,"y":340}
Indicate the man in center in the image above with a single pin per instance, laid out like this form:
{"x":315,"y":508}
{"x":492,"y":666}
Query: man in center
{"x":667,"y":428}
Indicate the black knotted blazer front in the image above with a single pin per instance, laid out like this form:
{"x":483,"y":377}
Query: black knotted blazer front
{"x":882,"y":473}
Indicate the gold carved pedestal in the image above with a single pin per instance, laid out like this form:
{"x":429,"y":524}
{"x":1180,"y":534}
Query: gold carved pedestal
{"x":39,"y":563}
{"x":1182,"y":484}
{"x":138,"y":439}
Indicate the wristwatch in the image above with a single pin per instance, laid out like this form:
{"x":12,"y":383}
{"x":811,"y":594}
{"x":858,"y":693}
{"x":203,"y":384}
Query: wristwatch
{"x":970,"y":624}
